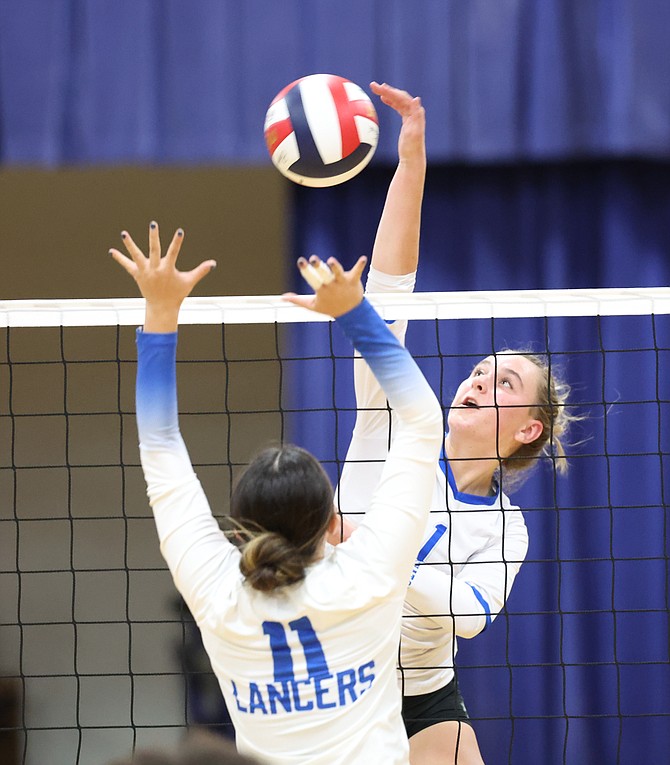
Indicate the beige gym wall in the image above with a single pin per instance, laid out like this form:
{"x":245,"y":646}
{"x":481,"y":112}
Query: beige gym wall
{"x":86,"y":614}
{"x":57,"y":227}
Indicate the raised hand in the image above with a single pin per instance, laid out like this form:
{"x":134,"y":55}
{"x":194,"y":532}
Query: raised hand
{"x":396,"y":248}
{"x":159,"y":281}
{"x":336,"y":291}
{"x":411,"y":141}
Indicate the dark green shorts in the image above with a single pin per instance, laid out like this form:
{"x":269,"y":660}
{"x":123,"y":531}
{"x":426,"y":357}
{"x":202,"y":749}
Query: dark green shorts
{"x":442,"y":705}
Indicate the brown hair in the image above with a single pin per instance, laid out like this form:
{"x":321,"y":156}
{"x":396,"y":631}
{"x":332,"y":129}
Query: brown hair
{"x":551,"y":409}
{"x":282,"y":505}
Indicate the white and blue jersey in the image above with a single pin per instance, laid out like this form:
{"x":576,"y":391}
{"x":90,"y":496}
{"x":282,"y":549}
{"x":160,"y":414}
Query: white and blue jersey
{"x":472,"y":547}
{"x":308,"y":672}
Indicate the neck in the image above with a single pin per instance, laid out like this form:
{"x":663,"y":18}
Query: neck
{"x":472,"y":475}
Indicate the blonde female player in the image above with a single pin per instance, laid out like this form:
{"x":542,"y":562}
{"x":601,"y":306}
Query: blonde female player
{"x":302,"y":636}
{"x":501,"y":418}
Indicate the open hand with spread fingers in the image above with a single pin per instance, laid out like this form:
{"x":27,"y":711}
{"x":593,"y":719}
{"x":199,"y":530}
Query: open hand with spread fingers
{"x":336,"y":291}
{"x":161,"y":284}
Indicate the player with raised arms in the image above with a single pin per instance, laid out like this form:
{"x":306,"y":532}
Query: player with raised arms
{"x":302,"y":636}
{"x":506,"y":413}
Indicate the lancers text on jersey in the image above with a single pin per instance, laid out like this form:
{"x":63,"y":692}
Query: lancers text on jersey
{"x":321,"y":691}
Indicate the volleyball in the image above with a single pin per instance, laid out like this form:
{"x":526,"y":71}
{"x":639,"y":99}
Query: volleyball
{"x":321,"y":130}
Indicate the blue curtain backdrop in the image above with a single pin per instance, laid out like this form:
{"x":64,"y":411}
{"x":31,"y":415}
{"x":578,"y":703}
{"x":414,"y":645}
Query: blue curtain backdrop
{"x":586,"y":635}
{"x":549,"y":152}
{"x":90,"y":81}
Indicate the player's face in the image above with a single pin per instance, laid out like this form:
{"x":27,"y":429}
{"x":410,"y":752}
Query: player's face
{"x":493,"y":407}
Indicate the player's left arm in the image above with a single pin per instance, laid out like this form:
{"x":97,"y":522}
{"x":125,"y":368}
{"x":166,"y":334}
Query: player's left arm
{"x":396,"y":247}
{"x":472,"y":598}
{"x":395,"y":252}
{"x":388,"y":538}
{"x":191,"y":541}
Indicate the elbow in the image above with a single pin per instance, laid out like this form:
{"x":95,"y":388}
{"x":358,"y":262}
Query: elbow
{"x":481,"y":616}
{"x":425,"y":422}
{"x":468,"y":627}
{"x":437,"y":421}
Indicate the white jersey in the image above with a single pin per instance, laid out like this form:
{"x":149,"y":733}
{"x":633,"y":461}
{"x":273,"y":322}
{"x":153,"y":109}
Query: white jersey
{"x":472,"y":550}
{"x":308,"y":673}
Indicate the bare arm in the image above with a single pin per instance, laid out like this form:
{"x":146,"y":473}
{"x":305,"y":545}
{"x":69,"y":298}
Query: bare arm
{"x":396,"y":248}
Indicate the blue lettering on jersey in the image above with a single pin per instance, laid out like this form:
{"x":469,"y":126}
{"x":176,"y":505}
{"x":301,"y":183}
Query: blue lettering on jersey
{"x":314,"y":656}
{"x":237,"y":698}
{"x":275,"y":695}
{"x":366,"y":675}
{"x":304,"y":695}
{"x":320,"y":689}
{"x":440,"y":531}
{"x":299,"y":707}
{"x":256,"y":699}
{"x":346,"y":681}
{"x":281,"y":653}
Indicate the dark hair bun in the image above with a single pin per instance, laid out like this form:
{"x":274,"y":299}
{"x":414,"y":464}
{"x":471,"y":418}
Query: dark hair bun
{"x":269,"y":561}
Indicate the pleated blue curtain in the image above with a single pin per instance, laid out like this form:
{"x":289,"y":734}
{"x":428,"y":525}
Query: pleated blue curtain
{"x":86,"y":81}
{"x":587,"y":635}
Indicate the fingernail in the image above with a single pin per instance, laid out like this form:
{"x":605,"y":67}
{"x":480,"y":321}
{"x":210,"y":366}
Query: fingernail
{"x":123,"y":235}
{"x":153,"y":224}
{"x":110,"y":252}
{"x":180,"y":232}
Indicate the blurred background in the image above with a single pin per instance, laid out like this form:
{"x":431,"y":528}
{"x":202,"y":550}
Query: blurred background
{"x":548,"y":135}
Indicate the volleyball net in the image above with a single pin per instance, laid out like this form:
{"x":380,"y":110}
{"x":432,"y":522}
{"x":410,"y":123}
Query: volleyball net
{"x":97,"y":653}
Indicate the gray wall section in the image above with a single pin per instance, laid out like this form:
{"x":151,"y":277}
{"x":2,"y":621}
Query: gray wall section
{"x":86,"y":606}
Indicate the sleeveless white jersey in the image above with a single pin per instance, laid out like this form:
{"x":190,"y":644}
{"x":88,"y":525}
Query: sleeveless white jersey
{"x":308,"y":674}
{"x":472,"y":549}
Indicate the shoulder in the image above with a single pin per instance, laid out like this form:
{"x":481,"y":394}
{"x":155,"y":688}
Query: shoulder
{"x":349,"y":578}
{"x":507,"y":504}
{"x":514,"y":522}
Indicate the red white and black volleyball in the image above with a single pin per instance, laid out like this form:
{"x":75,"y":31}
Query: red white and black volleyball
{"x":321,"y":130}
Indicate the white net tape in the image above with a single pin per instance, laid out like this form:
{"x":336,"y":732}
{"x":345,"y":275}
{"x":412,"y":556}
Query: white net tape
{"x":267,"y":309}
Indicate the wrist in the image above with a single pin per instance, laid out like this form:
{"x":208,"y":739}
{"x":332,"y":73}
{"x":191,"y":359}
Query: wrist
{"x":353,"y":314}
{"x":413,"y":163}
{"x":161,"y":319}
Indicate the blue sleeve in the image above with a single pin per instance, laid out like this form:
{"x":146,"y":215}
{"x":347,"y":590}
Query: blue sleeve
{"x":390,"y":362}
{"x":191,"y":541}
{"x":156,"y":389}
